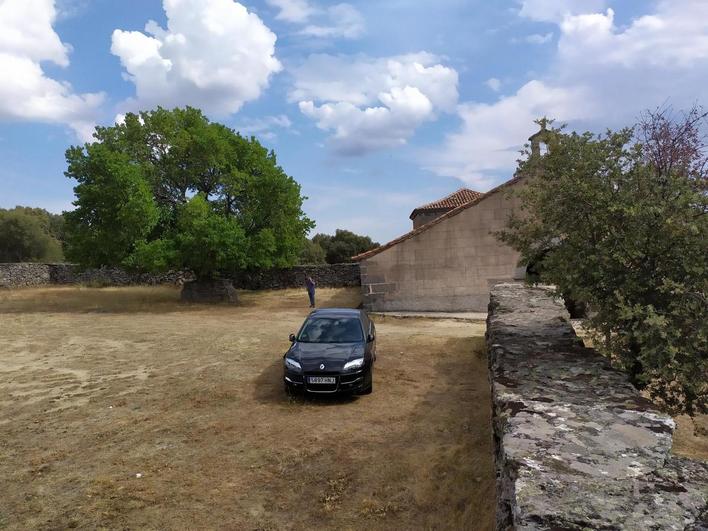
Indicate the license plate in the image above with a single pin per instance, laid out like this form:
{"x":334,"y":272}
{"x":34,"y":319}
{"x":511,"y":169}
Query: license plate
{"x":321,"y":379}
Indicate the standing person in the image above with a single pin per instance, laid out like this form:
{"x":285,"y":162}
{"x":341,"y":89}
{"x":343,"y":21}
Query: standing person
{"x":310,"y":285}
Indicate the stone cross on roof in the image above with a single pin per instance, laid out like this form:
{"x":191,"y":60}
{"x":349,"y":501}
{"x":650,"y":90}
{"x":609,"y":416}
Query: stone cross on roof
{"x":542,"y":136}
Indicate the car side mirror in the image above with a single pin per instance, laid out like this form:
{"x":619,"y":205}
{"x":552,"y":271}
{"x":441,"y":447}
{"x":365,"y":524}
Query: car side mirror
{"x":292,"y":338}
{"x":370,"y":338}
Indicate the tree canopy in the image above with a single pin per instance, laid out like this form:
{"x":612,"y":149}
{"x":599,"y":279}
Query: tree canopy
{"x":30,"y":235}
{"x":170,"y":189}
{"x":340,"y":247}
{"x":621,"y":221}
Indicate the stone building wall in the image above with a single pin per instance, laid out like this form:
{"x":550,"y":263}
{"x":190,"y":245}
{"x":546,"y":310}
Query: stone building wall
{"x":447,"y":267}
{"x":576,"y":446}
{"x":16,"y":275}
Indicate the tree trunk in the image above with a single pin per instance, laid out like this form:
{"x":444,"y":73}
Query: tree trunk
{"x":209,"y":291}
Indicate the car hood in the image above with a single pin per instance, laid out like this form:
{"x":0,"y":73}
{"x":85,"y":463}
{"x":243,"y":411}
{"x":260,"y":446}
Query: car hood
{"x":332,"y":355}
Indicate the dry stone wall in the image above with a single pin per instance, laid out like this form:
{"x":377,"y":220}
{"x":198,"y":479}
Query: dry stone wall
{"x":576,"y":446}
{"x":16,"y":275}
{"x":326,"y":275}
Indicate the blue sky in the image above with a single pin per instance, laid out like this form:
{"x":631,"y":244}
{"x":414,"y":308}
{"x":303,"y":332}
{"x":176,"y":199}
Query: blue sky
{"x":374,"y":107}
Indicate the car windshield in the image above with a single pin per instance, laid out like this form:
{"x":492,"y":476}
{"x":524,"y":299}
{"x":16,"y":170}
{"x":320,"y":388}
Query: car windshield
{"x":331,"y":330}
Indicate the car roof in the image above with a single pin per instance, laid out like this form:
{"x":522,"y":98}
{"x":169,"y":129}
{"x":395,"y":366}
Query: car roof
{"x":337,"y":312}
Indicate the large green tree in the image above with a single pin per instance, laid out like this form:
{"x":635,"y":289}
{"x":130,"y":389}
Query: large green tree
{"x":343,"y":245}
{"x":170,"y":189}
{"x":621,"y":221}
{"x":30,"y":235}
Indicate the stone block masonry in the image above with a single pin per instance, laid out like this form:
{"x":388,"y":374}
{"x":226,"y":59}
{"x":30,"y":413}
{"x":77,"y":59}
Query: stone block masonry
{"x":576,"y":446}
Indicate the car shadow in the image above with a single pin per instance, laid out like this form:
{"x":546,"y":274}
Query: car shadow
{"x":269,"y":389}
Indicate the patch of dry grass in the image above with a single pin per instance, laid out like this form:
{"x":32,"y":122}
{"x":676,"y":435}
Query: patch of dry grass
{"x":100,"y":385}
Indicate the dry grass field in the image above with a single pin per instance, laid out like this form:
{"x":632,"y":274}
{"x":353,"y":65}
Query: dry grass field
{"x":124,"y":409}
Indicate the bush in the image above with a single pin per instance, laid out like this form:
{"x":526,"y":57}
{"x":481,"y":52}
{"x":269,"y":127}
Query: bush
{"x":341,"y":247}
{"x":29,"y":235}
{"x":621,"y":221}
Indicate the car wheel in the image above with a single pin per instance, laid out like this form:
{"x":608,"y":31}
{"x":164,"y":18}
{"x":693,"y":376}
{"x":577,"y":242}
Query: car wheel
{"x":290,"y":389}
{"x":369,"y":388}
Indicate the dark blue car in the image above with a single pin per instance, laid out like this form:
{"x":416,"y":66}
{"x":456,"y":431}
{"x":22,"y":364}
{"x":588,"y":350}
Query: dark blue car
{"x":334,"y":352}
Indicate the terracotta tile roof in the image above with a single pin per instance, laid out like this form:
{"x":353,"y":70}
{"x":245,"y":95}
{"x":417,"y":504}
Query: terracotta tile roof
{"x":446,"y":215}
{"x":455,"y":199}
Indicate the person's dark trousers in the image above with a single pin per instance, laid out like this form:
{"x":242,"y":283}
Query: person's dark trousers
{"x":312,"y":298}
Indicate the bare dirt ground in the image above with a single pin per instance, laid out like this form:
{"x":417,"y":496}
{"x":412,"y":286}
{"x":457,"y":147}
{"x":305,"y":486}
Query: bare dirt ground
{"x":123,"y":409}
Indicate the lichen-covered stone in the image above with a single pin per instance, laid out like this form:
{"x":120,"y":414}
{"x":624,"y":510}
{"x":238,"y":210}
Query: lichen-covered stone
{"x":576,"y":446}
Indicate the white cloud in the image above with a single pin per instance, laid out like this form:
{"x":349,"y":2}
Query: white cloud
{"x":538,"y":38}
{"x":556,"y":10}
{"x":264,"y":127}
{"x":493,"y":83}
{"x":67,"y":9}
{"x":371,"y":104}
{"x":492,"y":135}
{"x":214,"y":54}
{"x":341,"y":20}
{"x":295,"y":11}
{"x":602,"y":76}
{"x":336,"y":21}
{"x":26,"y":39}
{"x":676,"y":35}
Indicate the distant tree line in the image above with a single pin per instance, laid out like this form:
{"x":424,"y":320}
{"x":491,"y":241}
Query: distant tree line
{"x":31,"y":235}
{"x":335,"y":249}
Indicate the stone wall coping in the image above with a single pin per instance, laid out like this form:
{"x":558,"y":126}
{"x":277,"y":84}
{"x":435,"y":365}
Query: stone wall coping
{"x":576,"y":445}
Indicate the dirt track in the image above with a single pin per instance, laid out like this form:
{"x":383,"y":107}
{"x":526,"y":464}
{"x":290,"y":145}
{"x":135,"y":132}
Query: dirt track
{"x":100,"y":386}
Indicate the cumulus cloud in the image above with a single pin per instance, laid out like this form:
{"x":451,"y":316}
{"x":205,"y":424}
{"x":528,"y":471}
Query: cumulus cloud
{"x":214,"y":54}
{"x":336,"y":21}
{"x":369,"y":104}
{"x":602,"y":76}
{"x":26,"y":39}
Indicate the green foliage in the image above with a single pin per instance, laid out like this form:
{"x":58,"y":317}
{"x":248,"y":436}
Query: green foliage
{"x":180,"y":155}
{"x":114,"y":207}
{"x":208,"y":242}
{"x":30,"y":235}
{"x":345,"y":244}
{"x":312,"y":253}
{"x":621,"y":222}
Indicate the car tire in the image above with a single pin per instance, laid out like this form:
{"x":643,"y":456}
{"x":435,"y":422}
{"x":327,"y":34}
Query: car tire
{"x":290,"y":389}
{"x":369,"y":388}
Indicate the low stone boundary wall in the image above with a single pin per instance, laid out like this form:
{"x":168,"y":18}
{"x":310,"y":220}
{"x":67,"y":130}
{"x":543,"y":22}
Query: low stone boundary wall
{"x":326,"y":275}
{"x":24,"y":275}
{"x":576,"y":446}
{"x":17,"y":275}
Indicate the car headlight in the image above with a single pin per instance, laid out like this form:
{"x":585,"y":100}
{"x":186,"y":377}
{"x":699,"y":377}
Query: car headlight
{"x":354,"y":364}
{"x":292,"y":364}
